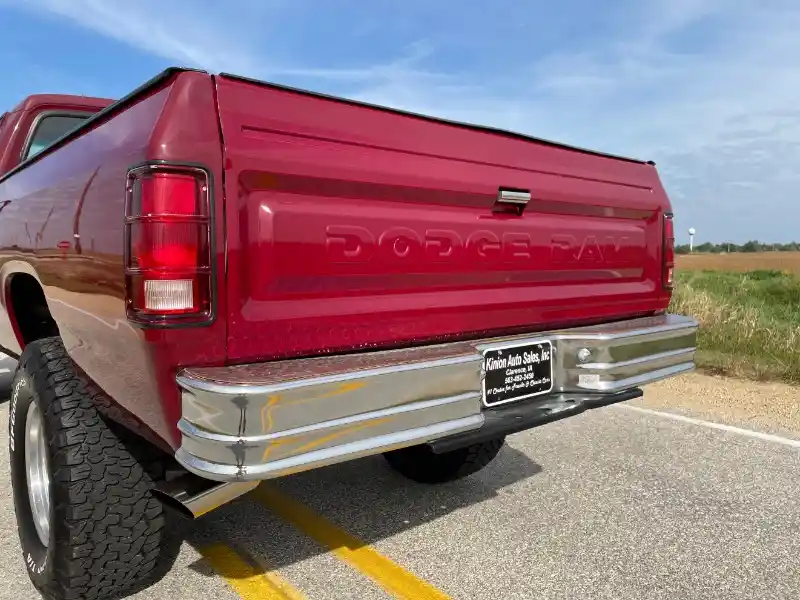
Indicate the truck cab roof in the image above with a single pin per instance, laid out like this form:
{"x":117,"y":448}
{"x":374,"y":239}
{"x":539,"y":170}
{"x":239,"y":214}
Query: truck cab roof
{"x":35,"y":101}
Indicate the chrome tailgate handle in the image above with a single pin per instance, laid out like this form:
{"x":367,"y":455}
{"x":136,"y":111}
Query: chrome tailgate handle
{"x":511,"y":198}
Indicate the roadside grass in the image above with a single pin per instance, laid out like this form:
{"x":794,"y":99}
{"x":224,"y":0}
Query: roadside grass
{"x":749,"y":321}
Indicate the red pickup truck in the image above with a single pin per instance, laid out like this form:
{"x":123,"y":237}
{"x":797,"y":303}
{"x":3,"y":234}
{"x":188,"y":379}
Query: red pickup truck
{"x":215,"y":281}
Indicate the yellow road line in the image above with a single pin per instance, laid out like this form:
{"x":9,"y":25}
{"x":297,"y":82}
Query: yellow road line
{"x":393,"y":578}
{"x":246,"y":579}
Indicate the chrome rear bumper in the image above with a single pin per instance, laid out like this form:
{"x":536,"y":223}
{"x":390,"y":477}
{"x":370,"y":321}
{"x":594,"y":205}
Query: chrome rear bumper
{"x":252,"y":422}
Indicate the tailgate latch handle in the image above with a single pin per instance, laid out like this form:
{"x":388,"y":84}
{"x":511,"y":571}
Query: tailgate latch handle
{"x":512,"y":200}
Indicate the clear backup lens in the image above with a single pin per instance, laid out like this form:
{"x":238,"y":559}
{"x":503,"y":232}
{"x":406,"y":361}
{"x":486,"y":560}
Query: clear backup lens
{"x":169,"y":295}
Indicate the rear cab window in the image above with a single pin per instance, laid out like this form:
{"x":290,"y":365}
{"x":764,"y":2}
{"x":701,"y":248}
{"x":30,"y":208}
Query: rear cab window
{"x":48,"y":128}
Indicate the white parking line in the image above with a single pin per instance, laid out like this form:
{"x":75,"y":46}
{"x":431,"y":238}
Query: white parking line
{"x":766,"y":437}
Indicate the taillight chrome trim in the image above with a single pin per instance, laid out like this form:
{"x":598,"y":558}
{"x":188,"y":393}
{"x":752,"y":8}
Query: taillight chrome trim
{"x":667,"y":265}
{"x":176,"y":321}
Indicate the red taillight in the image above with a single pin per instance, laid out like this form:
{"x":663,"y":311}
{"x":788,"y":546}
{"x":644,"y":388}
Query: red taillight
{"x":668,"y":273}
{"x":168,"y":237}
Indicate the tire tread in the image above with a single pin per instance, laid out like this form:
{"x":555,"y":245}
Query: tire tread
{"x":108,"y":527}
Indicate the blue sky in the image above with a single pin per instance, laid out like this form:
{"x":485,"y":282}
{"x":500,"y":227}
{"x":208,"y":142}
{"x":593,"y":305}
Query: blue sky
{"x":709,"y":89}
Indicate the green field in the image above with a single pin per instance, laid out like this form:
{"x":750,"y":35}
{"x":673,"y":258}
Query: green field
{"x":750,"y":321}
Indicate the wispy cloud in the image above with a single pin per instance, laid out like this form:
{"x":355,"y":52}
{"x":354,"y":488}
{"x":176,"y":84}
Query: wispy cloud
{"x":172,"y":30}
{"x":707,"y":88}
{"x":217,"y":37}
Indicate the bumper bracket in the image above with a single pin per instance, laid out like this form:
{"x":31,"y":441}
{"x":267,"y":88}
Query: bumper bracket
{"x":513,"y":418}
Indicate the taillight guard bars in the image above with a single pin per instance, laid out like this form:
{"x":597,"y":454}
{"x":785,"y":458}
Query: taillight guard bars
{"x":168,"y":254}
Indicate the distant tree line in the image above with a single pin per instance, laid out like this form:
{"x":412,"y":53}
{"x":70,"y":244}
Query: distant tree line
{"x":751,"y":246}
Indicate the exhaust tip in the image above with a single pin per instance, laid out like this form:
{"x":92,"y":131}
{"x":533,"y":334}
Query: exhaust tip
{"x":173,"y":504}
{"x":192,"y":496}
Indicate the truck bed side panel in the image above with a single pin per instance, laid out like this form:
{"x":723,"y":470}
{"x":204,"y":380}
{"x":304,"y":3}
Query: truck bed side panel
{"x":352,"y":227}
{"x":63,"y":224}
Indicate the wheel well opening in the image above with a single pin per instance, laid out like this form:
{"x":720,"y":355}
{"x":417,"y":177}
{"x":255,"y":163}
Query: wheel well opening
{"x":34,"y":321}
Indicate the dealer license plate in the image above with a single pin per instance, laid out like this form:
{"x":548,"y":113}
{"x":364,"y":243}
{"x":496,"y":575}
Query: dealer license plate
{"x":517,"y":372}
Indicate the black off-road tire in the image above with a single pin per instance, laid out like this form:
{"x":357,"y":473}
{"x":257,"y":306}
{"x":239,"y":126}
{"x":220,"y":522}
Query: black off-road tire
{"x":107,"y":531}
{"x":421,"y":464}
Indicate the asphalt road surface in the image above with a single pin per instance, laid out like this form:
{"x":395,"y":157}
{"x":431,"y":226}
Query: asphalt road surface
{"x":618,"y":503}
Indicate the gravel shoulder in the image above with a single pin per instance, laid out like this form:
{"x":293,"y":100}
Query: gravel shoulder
{"x":768,"y":407}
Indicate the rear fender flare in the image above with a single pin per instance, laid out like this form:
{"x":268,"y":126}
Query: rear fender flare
{"x":11,"y":339}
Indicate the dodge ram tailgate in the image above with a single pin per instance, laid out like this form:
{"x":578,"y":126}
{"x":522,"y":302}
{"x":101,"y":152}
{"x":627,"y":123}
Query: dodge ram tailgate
{"x":351,"y":226}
